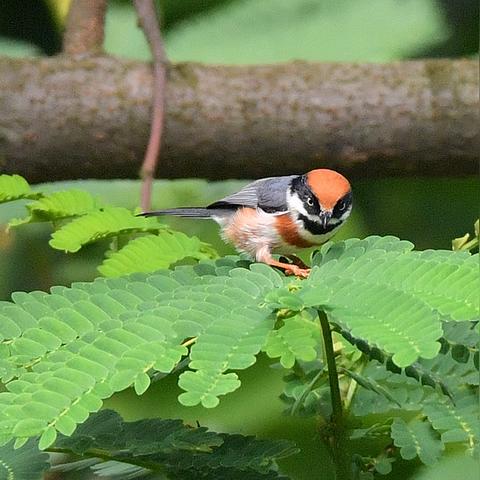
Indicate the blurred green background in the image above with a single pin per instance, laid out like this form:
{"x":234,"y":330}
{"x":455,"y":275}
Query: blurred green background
{"x":429,"y":212}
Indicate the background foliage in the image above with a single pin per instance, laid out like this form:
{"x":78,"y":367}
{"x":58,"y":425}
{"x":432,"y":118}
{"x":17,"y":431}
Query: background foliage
{"x":428,"y":211}
{"x":65,"y":352}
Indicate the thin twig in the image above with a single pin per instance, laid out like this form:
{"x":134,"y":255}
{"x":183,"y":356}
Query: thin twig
{"x":150,"y":23}
{"x":84,"y":29}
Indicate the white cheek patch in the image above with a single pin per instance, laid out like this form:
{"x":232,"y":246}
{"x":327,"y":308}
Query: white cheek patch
{"x":345,"y":215}
{"x":296,"y":205}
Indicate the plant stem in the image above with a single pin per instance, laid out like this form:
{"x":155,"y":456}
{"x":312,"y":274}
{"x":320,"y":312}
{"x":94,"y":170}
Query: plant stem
{"x":341,"y":457}
{"x":337,"y":413}
{"x":353,"y":386}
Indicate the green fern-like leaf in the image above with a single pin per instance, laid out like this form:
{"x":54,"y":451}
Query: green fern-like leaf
{"x":59,"y":205}
{"x":400,"y":391}
{"x":243,"y":453}
{"x":24,"y":463}
{"x":63,"y":353}
{"x":461,"y":340}
{"x":451,"y":372}
{"x":369,"y":384}
{"x":206,"y":386}
{"x":296,"y":339}
{"x":106,"y":430}
{"x":383,"y":316}
{"x":99,"y":224}
{"x":154,"y":252}
{"x":456,"y":423}
{"x":417,"y":439}
{"x":233,"y":338}
{"x":306,"y":390}
{"x":354,"y":248}
{"x":169,"y":446}
{"x":422,"y":372}
{"x":394,"y":314}
{"x":15,"y":187}
{"x":392,"y":297}
{"x":66,"y":351}
{"x":447,"y":281}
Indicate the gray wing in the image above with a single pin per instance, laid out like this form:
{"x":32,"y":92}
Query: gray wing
{"x":269,"y":194}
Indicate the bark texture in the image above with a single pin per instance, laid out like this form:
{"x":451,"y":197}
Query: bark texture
{"x":84,"y":30}
{"x":64,"y":118}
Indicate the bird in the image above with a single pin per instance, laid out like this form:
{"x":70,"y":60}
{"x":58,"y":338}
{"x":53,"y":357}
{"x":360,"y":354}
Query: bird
{"x":279,"y":215}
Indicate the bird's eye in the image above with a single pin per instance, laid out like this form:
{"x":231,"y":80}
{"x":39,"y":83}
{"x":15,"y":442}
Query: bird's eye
{"x":310,"y":201}
{"x":342,"y":206}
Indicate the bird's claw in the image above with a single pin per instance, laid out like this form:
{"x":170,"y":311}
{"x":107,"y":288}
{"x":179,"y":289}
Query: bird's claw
{"x":297,"y":271}
{"x":297,"y":261}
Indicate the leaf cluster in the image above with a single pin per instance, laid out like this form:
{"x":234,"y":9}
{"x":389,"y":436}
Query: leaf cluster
{"x":415,"y":403}
{"x":78,"y":219}
{"x":109,"y":446}
{"x":406,"y":340}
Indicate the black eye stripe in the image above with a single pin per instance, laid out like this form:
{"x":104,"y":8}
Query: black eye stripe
{"x":300,"y":187}
{"x":342,"y":205}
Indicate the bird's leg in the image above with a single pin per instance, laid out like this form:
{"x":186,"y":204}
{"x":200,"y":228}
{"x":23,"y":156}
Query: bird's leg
{"x":297,"y":261}
{"x":263,"y":255}
{"x":289,"y":268}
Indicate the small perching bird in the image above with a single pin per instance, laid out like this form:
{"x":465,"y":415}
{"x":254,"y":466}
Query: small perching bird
{"x":279,"y":215}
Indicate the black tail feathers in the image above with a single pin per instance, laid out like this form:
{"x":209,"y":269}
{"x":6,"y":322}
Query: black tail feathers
{"x":186,"y":212}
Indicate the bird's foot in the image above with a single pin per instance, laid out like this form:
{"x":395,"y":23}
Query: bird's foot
{"x":297,"y":261}
{"x":296,"y":270}
{"x":301,"y":271}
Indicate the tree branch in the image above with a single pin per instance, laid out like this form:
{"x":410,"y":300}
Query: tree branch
{"x":84,"y":29}
{"x":62,"y":118}
{"x":149,"y":19}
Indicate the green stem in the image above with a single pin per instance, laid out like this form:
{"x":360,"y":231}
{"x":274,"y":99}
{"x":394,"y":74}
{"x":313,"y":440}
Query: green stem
{"x":352,"y":388}
{"x":340,"y":453}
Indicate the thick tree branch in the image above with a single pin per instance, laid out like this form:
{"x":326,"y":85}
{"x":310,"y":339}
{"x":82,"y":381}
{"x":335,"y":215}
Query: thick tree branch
{"x":149,"y":20}
{"x":84,"y":29}
{"x":64,"y":119}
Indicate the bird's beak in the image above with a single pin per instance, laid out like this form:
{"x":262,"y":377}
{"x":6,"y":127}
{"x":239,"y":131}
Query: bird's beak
{"x":324,"y":218}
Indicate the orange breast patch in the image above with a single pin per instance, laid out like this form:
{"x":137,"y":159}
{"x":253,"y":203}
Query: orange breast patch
{"x":288,"y":230}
